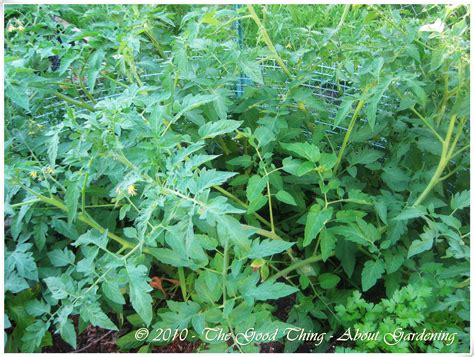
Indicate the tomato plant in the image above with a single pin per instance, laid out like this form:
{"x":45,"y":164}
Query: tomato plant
{"x":165,"y":175}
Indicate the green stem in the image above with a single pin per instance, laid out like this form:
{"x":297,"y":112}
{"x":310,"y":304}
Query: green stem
{"x":74,"y":101}
{"x":155,"y":43}
{"x":359,"y":107}
{"x":83,"y":217}
{"x":343,"y":17}
{"x":240,"y":202}
{"x":297,"y":265}
{"x":115,"y":81}
{"x":443,"y":162}
{"x":25,"y":203}
{"x":182,"y":283}
{"x":267,"y":40}
{"x":224,"y":270}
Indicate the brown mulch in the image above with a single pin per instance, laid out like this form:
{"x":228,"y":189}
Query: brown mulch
{"x":178,"y":346}
{"x":92,"y":339}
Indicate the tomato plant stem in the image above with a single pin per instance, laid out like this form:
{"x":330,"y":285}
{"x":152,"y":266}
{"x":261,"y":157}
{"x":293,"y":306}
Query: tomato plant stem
{"x":182,"y":283}
{"x":74,"y":101}
{"x":267,"y":40}
{"x":359,"y":107}
{"x":297,"y":265}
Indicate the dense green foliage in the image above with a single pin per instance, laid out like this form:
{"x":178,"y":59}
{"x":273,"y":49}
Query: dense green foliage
{"x":146,"y":193}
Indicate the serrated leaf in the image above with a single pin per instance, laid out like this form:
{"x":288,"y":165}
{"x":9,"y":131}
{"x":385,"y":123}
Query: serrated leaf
{"x":33,"y":336}
{"x":169,"y":256}
{"x":365,"y":157}
{"x":460,"y":200}
{"x":92,"y":313}
{"x":420,"y":245}
{"x":374,"y":101}
{"x":285,"y":197}
{"x":315,"y":221}
{"x":371,"y":272}
{"x":71,"y":199}
{"x":304,"y":150}
{"x":297,"y":167}
{"x":66,"y":61}
{"x":112,"y":291}
{"x":139,"y":292}
{"x":57,"y":287}
{"x":410,"y":212}
{"x":257,"y":204}
{"x":344,"y":110}
{"x":61,"y":258}
{"x":68,"y":333}
{"x":213,"y":129}
{"x":94,"y":67}
{"x":393,"y":262}
{"x":267,"y":247}
{"x":53,"y":148}
{"x":241,"y":161}
{"x":255,"y":187}
{"x":271,"y":291}
{"x":252,"y":70}
{"x":328,"y":243}
{"x":328,"y":280}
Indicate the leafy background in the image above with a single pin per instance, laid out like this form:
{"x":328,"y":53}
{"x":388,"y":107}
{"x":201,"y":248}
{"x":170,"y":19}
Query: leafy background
{"x":161,"y":171}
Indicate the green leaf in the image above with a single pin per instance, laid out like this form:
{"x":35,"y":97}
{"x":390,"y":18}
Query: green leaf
{"x":57,"y":287}
{"x":241,"y":161}
{"x":328,"y":280}
{"x":71,"y":199}
{"x":61,"y":258}
{"x":208,"y":286}
{"x":460,"y":200}
{"x":374,"y":101}
{"x":371,"y":272}
{"x":304,"y":150}
{"x":328,"y":243}
{"x":230,"y":228}
{"x":93,"y":313}
{"x":393,"y":262}
{"x":33,"y":336}
{"x":213,"y":129}
{"x":66,"y":61}
{"x":92,"y":236}
{"x":252,"y":70}
{"x":112,"y":291}
{"x":381,"y":209}
{"x":68,"y":333}
{"x":365,"y":157}
{"x":267,"y":247}
{"x":285,"y":197}
{"x":18,"y":95}
{"x":257,"y":204}
{"x":222,"y":102}
{"x":95,"y":65}
{"x":411,"y":212}
{"x":271,"y":291}
{"x":130,"y":232}
{"x":437,"y":58}
{"x":139,"y":291}
{"x":255,"y":187}
{"x":170,"y":257}
{"x":53,"y":148}
{"x":315,"y":221}
{"x":344,"y":109}
{"x":297,"y":167}
{"x":421,"y":245}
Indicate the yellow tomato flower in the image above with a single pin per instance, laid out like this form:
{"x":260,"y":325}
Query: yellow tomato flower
{"x":49,"y":170}
{"x":33,"y":174}
{"x":131,"y":190}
